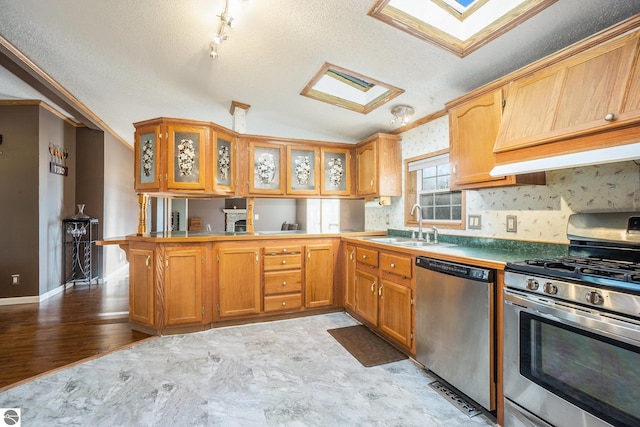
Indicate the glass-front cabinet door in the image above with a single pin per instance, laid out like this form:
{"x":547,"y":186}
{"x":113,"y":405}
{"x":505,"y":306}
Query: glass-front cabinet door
{"x":186,"y":157}
{"x":335,"y":171}
{"x":266,"y":170}
{"x":224,"y":163}
{"x":147,"y":159}
{"x":302,"y":170}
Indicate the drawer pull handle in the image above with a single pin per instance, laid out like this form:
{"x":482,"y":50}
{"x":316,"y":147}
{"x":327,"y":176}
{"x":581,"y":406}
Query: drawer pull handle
{"x":373,"y":287}
{"x":380,"y":291}
{"x":284,"y":261}
{"x":147,"y":261}
{"x":284,"y":283}
{"x":393,"y":265}
{"x":284,"y":250}
{"x":284,"y":303}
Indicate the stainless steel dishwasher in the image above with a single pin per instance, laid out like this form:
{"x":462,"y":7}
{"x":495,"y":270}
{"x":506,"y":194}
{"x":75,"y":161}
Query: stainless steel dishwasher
{"x":455,"y":327}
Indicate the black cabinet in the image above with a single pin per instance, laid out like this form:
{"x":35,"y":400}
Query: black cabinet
{"x":80,"y":258}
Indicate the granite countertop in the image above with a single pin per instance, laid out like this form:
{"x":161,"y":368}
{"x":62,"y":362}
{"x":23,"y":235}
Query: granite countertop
{"x":480,"y":251}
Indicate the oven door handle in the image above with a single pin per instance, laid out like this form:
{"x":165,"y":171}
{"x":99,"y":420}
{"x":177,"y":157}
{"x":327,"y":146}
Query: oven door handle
{"x":610,"y":325}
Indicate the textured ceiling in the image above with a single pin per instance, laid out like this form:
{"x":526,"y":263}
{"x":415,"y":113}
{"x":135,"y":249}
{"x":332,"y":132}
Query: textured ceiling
{"x":129,"y":61}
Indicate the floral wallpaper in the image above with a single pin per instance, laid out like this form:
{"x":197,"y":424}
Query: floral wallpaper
{"x":541,"y":210}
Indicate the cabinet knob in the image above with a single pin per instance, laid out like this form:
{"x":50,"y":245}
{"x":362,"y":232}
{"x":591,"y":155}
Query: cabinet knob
{"x":393,"y":265}
{"x":364,"y":257}
{"x":610,"y":117}
{"x":284,"y":283}
{"x":284,"y":303}
{"x":284,"y":250}
{"x":284,"y":261}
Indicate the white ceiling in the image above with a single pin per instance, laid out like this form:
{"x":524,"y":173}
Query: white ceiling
{"x":132,"y":60}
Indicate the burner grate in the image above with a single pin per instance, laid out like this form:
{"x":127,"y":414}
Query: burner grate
{"x":619,"y":270}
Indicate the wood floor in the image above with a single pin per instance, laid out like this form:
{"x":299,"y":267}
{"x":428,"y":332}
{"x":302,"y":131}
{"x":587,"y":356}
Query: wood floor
{"x":80,"y":322}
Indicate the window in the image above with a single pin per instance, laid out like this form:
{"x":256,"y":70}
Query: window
{"x":427,"y":182}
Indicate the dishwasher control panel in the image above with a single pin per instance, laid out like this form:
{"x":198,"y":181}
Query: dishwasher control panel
{"x":460,"y":270}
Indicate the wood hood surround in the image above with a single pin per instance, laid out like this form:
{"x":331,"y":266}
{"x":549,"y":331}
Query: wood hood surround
{"x":582,"y":98}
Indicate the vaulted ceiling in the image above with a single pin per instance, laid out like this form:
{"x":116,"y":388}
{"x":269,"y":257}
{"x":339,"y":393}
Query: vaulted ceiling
{"x":128,"y":61}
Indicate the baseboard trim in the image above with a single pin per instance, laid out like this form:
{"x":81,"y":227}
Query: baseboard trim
{"x":34,"y":298}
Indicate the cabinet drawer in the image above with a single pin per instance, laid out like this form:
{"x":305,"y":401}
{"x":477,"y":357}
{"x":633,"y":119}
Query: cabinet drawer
{"x":280,"y":250}
{"x":282,"y":302}
{"x":367,"y":256}
{"x":282,"y":262}
{"x":282,"y":282}
{"x":396,"y":264}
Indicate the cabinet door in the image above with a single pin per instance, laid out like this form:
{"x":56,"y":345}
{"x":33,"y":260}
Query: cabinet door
{"x":367,"y":296}
{"x":395,"y":311}
{"x":142,"y":270}
{"x":183,"y":286}
{"x":367,"y":169}
{"x":350,"y":280}
{"x":224,"y":163}
{"x":266,"y":168}
{"x":473,"y":127}
{"x":187,"y":145}
{"x":336,"y":174}
{"x":239,"y":281}
{"x":318,"y":275}
{"x":302,"y":170}
{"x":147,"y":159}
{"x":571,"y":98}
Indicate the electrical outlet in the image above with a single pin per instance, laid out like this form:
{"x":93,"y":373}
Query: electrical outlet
{"x":474,"y":222}
{"x":512,"y":223}
{"x":256,"y":217}
{"x":15,"y":279}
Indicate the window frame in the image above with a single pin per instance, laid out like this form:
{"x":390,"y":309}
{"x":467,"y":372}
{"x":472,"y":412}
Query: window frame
{"x":411,"y":196}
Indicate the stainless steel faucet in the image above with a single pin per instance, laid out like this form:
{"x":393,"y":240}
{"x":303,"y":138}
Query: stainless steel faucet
{"x":419,"y":208}
{"x":434,"y":230}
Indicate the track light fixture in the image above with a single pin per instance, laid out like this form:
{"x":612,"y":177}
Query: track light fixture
{"x":221,"y":35}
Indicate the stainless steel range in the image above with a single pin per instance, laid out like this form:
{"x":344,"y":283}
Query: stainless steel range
{"x":572,"y":329}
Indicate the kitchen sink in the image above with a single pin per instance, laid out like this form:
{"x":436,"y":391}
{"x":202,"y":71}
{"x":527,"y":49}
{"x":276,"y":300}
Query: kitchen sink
{"x":423,"y":243}
{"x":397,"y":240}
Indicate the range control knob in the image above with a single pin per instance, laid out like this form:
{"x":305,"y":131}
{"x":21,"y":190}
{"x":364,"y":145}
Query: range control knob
{"x":594,"y":297}
{"x":550,"y":288}
{"x":532,"y":284}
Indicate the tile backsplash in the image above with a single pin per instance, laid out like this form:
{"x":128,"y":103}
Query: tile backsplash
{"x":541,"y":210}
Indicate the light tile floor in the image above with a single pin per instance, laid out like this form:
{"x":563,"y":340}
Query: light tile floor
{"x":284,"y":373}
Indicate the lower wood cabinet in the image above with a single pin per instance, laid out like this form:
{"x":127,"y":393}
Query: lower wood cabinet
{"x":350,"y":280}
{"x":141,"y":295}
{"x":282,"y":278}
{"x":318,"y":282}
{"x":238,"y":280}
{"x":183,"y":285}
{"x":383,"y":292}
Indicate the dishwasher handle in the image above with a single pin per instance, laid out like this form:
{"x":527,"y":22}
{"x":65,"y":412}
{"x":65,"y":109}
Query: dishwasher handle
{"x":455,"y":269}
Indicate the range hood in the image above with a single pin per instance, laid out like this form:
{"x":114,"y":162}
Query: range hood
{"x":620,"y":153}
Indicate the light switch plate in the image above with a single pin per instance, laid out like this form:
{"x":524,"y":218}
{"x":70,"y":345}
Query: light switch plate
{"x":512,"y":223}
{"x":474,"y":222}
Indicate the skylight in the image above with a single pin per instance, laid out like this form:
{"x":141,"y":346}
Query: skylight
{"x":347,"y":89}
{"x":459,"y":26}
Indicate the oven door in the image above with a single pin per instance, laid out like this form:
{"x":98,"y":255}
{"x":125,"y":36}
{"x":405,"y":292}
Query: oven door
{"x":570,"y":365}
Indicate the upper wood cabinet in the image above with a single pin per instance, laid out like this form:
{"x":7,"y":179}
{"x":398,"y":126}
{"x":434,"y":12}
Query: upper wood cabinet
{"x":183,"y":157}
{"x":186,"y":150}
{"x":379,"y":165}
{"x":224,"y":162}
{"x":473,"y":127}
{"x":335,"y":167}
{"x":303,"y":165}
{"x":266,"y":168}
{"x":589,"y":94}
